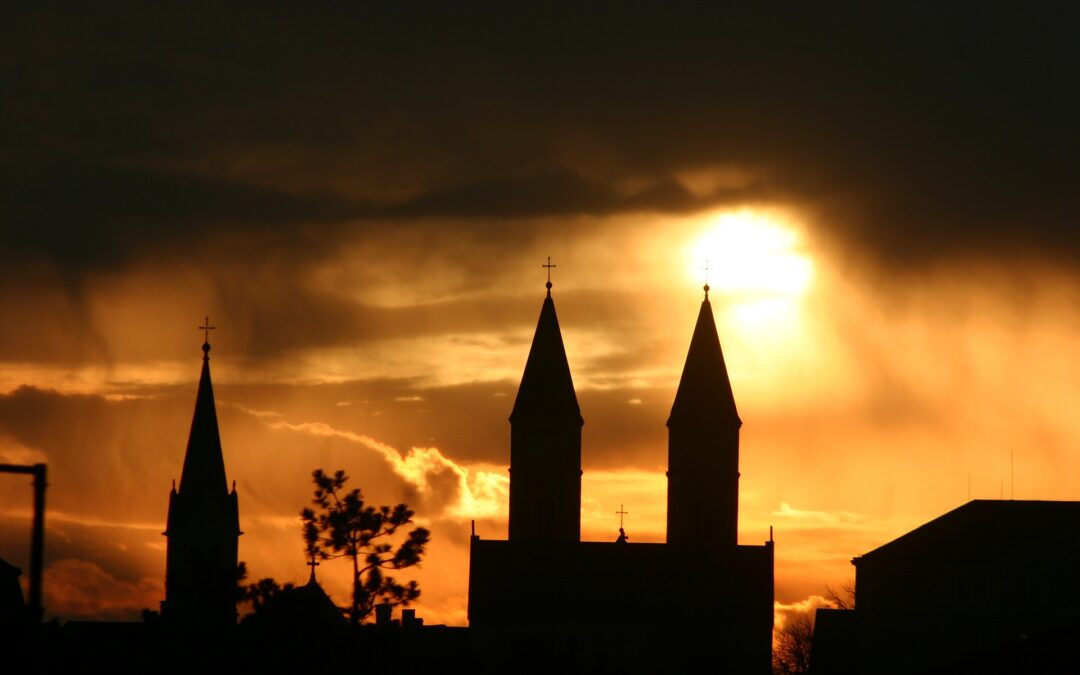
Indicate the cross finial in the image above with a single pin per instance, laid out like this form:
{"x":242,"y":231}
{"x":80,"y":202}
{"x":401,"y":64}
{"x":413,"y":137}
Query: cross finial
{"x":622,"y":512}
{"x":206,"y":328}
{"x":706,"y":270}
{"x":313,"y":563}
{"x":549,"y":266}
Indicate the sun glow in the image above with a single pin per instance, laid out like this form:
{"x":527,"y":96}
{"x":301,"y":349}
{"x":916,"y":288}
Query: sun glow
{"x":752,"y":254}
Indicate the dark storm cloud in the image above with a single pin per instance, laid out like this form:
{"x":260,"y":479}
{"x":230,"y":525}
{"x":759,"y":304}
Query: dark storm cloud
{"x":561,"y":193}
{"x":101,"y":216}
{"x":915,"y":135}
{"x":277,"y":317}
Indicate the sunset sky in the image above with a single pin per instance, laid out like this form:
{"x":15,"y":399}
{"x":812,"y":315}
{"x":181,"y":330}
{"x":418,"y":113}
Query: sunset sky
{"x":361,"y":200}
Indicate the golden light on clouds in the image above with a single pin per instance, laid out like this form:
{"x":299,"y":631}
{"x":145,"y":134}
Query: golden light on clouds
{"x":471,"y":492}
{"x":845,"y":376}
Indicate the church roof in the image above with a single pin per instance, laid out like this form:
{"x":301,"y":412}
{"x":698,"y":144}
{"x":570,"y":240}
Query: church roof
{"x":546,"y":392}
{"x":312,"y":602}
{"x":985,"y":529}
{"x":704,"y":389}
{"x":204,"y":465}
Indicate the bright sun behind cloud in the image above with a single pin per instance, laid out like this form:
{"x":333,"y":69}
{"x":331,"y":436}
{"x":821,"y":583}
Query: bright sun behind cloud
{"x":758,"y":269}
{"x":751,"y":254}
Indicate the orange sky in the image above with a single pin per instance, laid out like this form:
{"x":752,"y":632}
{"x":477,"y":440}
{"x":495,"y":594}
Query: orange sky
{"x":361,"y":201}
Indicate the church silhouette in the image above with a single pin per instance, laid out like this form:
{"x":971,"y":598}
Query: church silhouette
{"x":203,"y":523}
{"x":543,"y":596}
{"x":700,"y":598}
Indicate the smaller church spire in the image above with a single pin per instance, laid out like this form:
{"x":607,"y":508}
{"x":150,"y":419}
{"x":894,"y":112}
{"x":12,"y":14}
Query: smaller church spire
{"x":204,"y":465}
{"x":203,"y":522}
{"x":623,"y":537}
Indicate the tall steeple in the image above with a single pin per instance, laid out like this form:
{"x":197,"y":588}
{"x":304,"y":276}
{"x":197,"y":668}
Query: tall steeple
{"x":703,"y":445}
{"x":204,"y":464}
{"x":545,"y":441}
{"x":203,"y":523}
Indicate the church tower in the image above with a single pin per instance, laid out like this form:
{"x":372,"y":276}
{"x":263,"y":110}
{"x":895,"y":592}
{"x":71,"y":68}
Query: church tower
{"x":545,"y":441}
{"x":203,"y":523}
{"x":703,"y":446}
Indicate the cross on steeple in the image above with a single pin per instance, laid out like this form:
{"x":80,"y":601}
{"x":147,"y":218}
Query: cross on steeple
{"x":549,"y":266}
{"x":313,"y":563}
{"x":622,"y":512}
{"x":706,"y":270}
{"x":206,"y":328}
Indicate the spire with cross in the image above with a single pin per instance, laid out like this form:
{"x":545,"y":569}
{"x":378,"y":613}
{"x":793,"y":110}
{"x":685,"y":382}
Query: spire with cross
{"x":206,"y":328}
{"x":548,"y":266}
{"x":203,"y":523}
{"x":312,"y":563}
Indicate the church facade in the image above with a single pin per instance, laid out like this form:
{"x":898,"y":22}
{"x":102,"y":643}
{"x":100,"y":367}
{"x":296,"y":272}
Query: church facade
{"x":699,"y":597}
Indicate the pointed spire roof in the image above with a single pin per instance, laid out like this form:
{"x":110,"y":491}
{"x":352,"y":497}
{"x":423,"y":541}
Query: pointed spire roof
{"x":546,"y":392}
{"x":705,"y":389}
{"x":204,"y":465}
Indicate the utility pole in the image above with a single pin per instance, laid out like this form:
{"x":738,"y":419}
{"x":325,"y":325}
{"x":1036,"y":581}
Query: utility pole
{"x":37,"y":534}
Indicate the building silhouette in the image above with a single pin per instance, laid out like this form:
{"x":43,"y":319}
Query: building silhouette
{"x":203,"y":524}
{"x":700,"y":597}
{"x":303,"y":612}
{"x":991,"y":586}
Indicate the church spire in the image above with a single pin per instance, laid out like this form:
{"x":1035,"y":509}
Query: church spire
{"x":204,"y":465}
{"x":203,"y":522}
{"x":545,"y":440}
{"x":705,"y":388}
{"x":547,"y":391}
{"x":703,"y":445}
